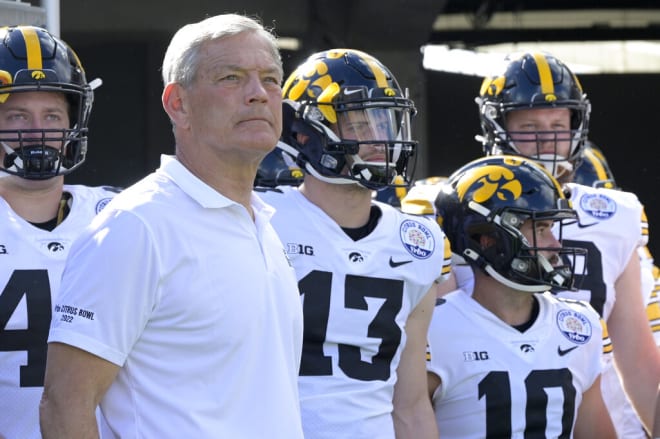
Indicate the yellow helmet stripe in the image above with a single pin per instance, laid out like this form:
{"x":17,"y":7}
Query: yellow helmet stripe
{"x":33,"y":48}
{"x":381,"y":79}
{"x":545,"y":75}
{"x":598,"y":166}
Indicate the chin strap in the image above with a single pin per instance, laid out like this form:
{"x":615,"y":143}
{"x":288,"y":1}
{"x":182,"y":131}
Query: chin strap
{"x":64,"y":208}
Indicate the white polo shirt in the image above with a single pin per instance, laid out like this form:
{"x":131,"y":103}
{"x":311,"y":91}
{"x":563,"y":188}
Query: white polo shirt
{"x":196,"y":302}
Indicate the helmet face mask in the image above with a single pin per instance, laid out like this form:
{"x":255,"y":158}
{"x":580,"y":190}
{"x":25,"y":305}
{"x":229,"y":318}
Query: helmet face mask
{"x":499,"y":200}
{"x":351,"y":123}
{"x":32,"y":60}
{"x":535,"y":81}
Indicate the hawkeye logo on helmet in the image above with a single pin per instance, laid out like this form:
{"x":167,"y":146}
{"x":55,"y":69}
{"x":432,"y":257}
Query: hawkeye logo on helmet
{"x":38,"y":75}
{"x":5,"y":80}
{"x":492,"y":86}
{"x":489,"y":181}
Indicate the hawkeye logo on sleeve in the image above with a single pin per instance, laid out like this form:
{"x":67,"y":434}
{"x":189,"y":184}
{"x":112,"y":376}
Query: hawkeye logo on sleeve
{"x":417,"y":239}
{"x":598,"y":205}
{"x":574,"y":326}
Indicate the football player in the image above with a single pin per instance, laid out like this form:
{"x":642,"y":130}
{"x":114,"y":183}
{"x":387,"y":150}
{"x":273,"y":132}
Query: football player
{"x":366,"y":272}
{"x":45,"y":104}
{"x":594,"y":170}
{"x":513,"y":360}
{"x":536,"y":108}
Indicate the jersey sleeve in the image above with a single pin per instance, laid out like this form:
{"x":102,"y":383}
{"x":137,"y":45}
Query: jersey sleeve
{"x":105,"y":315}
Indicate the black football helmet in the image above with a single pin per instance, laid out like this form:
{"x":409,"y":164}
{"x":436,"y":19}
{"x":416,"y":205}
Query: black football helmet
{"x":494,"y":196}
{"x":532,"y":81}
{"x":32,"y":59}
{"x":594,"y":170}
{"x":278,"y":169}
{"x":338,"y":101}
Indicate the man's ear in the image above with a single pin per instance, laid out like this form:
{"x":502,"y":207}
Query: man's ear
{"x":486,"y":241}
{"x":302,"y":138}
{"x":174,"y":100}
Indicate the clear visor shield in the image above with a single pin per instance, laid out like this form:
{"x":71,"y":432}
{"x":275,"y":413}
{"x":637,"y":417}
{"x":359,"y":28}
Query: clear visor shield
{"x":384,"y":139}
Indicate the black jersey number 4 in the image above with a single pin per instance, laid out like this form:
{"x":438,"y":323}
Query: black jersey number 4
{"x":34,"y":285}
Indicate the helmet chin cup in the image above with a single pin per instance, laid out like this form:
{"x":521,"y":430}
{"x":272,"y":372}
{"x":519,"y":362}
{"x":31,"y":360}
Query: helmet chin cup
{"x":33,"y":161}
{"x":558,"y":166}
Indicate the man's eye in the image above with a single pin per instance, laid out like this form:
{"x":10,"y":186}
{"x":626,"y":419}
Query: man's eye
{"x":16,"y":116}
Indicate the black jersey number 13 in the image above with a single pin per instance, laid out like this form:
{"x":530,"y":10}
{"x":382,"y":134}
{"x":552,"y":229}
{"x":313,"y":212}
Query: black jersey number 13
{"x":316,"y":307}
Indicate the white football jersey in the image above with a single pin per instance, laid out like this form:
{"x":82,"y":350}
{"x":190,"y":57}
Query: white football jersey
{"x":610,"y":227}
{"x":502,"y":383}
{"x":357,"y":296}
{"x":31,"y":263}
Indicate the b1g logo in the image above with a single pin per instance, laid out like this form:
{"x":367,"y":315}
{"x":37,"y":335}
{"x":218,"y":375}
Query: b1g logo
{"x":299,"y":249}
{"x":417,"y":239}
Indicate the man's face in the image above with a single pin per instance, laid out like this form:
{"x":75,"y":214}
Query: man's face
{"x":26,"y":111}
{"x":235,"y":102}
{"x":539,"y":234}
{"x":540,"y":131}
{"x":34,"y":111}
{"x":370,"y":125}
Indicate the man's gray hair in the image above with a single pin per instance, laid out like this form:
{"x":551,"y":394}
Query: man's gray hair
{"x":182,"y":56}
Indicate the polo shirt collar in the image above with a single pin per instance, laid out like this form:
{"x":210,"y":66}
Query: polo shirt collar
{"x":195,"y":188}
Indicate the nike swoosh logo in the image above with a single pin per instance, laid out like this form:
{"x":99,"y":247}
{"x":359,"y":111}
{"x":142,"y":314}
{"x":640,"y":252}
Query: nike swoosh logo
{"x":394,"y":264}
{"x":350,"y":92}
{"x":563,"y":352}
{"x":584,"y":226}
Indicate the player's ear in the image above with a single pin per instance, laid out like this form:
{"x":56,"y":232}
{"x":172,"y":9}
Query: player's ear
{"x":486,"y":241}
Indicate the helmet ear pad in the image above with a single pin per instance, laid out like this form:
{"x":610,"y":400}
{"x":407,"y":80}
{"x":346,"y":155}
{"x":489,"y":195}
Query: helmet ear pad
{"x":315,"y":142}
{"x":495,"y":246}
